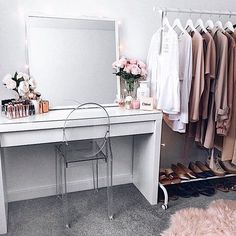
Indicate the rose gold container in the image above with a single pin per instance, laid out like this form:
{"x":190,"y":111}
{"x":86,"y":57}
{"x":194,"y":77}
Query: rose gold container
{"x":45,"y":106}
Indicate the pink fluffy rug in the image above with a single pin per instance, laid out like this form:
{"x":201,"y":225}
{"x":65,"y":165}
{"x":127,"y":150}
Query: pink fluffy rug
{"x":219,"y":219}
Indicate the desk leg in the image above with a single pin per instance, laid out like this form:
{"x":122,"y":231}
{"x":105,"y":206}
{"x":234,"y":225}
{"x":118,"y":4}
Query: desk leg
{"x":3,"y":196}
{"x":146,"y":163}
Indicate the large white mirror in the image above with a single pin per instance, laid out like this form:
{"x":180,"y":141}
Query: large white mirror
{"x":71,"y":58}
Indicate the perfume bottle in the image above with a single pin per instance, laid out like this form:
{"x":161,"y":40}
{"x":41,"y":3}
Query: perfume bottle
{"x":143,"y":90}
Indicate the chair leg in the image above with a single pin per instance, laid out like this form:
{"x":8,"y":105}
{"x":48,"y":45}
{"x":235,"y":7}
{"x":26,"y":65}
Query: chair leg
{"x":93,"y":169}
{"x":109,"y":183}
{"x":64,"y":195}
{"x":58,"y":173}
{"x":97,"y":175}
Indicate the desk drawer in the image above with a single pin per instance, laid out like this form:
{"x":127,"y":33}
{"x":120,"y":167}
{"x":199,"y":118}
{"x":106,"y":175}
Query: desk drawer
{"x":76,"y":133}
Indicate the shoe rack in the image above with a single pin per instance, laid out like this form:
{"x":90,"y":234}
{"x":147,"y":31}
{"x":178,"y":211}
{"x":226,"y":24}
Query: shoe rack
{"x":164,"y":189}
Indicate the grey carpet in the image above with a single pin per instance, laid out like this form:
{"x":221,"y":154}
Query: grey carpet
{"x":133,"y":214}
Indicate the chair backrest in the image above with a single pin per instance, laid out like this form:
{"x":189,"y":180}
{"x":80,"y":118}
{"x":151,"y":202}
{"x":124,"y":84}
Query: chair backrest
{"x":97,"y":120}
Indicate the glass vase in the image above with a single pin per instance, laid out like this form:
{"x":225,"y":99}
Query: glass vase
{"x":130,"y":88}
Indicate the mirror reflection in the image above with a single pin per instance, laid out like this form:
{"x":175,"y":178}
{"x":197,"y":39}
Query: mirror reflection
{"x":71,"y":59}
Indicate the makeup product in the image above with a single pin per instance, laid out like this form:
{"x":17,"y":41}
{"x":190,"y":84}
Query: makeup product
{"x":20,"y":109}
{"x":136,"y":104}
{"x":10,"y":111}
{"x":36,"y":105}
{"x":26,"y":109}
{"x":146,"y":103}
{"x":128,"y":102}
{"x":45,"y":106}
{"x":17,"y":114}
{"x":143,"y":90}
{"x":121,"y":102}
{"x":40,"y":107}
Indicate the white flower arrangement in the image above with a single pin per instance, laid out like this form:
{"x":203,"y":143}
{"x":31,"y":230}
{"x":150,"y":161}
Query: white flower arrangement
{"x":22,"y":83}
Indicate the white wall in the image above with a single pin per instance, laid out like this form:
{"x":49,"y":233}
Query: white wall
{"x":30,"y":170}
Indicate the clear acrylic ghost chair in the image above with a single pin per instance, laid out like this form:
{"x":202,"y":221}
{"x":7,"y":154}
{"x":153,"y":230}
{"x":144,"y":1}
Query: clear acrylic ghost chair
{"x":70,"y":152}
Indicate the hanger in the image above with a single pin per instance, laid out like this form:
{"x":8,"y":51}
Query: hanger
{"x":209,"y":24}
{"x":177,"y":23}
{"x":199,"y":24}
{"x":218,"y":25}
{"x":166,"y":23}
{"x":229,"y":26}
{"x":189,"y":25}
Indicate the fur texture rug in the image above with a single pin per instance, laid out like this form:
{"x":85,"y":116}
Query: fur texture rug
{"x":219,"y":219}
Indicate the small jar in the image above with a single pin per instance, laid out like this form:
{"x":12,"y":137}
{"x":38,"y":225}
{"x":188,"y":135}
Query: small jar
{"x":45,"y":106}
{"x":136,"y":104}
{"x":128,"y":102}
{"x":121,"y":102}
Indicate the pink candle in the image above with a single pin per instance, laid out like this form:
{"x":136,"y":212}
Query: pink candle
{"x":136,"y":104}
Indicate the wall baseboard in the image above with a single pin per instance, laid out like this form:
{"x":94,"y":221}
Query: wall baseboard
{"x":73,"y":186}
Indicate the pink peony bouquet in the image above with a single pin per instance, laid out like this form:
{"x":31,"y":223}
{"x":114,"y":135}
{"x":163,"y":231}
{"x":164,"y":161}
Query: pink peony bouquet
{"x":22,"y":83}
{"x":130,"y":70}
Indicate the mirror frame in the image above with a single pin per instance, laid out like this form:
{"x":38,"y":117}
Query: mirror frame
{"x":43,"y":15}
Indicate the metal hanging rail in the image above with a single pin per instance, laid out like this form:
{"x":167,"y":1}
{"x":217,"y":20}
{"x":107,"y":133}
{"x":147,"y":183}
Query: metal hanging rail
{"x":163,"y":12}
{"x":194,"y":11}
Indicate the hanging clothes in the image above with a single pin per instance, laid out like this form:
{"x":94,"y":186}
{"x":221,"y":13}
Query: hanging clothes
{"x":192,"y":81}
{"x":163,"y":69}
{"x":211,"y":123}
{"x":178,"y":122}
{"x":210,"y":70}
{"x":229,"y":143}
{"x":197,"y":86}
{"x":209,"y":75}
{"x":221,"y":87}
{"x":152,"y":64}
{"x":230,"y":83}
{"x":218,"y":108}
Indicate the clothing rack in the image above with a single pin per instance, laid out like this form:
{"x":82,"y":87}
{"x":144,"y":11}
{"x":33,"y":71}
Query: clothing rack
{"x":163,"y":12}
{"x":194,"y":11}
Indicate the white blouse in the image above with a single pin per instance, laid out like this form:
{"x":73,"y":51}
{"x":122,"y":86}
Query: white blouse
{"x":180,"y":120}
{"x":163,"y":71}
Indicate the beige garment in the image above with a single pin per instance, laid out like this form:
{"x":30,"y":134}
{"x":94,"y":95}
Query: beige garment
{"x":211,"y":124}
{"x":221,"y":100}
{"x":197,"y":86}
{"x":231,"y":74}
{"x":229,"y":143}
{"x":209,"y":69}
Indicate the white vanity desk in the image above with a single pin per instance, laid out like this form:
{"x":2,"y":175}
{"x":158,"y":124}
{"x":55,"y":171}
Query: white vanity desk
{"x":47,"y":128}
